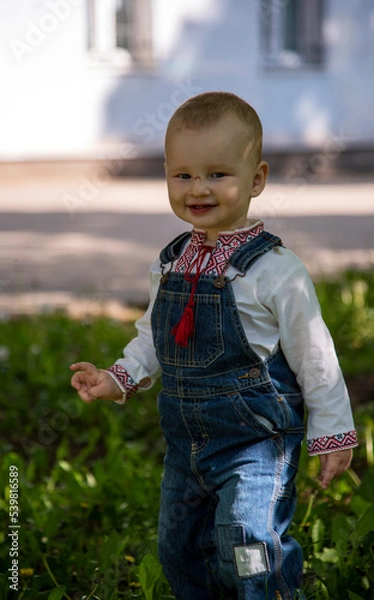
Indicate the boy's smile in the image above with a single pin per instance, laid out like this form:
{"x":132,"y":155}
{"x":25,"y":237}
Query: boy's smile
{"x":212,"y":174}
{"x":200,"y":209}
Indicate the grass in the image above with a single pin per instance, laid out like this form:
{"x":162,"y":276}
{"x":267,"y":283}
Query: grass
{"x":88,"y":476}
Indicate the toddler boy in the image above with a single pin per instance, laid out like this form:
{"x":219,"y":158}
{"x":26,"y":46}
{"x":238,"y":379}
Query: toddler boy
{"x":235,"y":331}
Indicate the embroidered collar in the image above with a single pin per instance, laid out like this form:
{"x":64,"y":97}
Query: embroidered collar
{"x":216,"y":261}
{"x":228,"y":239}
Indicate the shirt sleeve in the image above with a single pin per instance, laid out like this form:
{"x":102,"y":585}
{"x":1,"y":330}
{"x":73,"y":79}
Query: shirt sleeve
{"x":310,"y":353}
{"x":139,"y":367}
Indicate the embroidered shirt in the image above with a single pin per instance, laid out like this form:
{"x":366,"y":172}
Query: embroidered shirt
{"x":226,"y":244}
{"x":277,"y":304}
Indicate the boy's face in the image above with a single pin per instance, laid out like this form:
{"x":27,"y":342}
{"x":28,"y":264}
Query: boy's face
{"x":212,"y":174}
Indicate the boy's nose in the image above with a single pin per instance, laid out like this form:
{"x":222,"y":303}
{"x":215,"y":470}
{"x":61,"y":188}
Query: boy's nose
{"x":199,"y":187}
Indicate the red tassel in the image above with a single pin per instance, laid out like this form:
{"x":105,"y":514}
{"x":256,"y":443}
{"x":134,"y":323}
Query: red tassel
{"x":183,"y":330}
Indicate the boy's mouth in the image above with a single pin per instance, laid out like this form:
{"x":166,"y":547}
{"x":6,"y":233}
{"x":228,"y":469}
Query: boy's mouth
{"x":199,"y":209}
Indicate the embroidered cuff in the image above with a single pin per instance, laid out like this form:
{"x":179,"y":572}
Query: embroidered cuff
{"x":125,"y":382}
{"x":332,"y":443}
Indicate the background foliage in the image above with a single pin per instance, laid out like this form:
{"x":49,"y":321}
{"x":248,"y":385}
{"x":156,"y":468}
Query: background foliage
{"x":89,"y":475}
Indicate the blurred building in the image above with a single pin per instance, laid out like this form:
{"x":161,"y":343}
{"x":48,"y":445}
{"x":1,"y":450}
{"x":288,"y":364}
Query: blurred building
{"x":83,"y":79}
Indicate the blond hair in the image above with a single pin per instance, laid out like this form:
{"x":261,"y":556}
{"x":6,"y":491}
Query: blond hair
{"x":207,"y":109}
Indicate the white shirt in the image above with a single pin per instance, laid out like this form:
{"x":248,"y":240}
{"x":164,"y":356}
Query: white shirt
{"x":277,"y":304}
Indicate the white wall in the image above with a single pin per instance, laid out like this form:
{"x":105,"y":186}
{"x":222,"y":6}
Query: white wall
{"x":50,"y":100}
{"x":56,"y":103}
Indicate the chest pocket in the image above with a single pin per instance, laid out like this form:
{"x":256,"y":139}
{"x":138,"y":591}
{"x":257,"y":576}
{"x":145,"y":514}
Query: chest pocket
{"x":205,"y":346}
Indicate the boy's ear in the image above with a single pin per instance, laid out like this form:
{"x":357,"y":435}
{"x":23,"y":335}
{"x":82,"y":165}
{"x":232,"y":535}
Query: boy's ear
{"x":259,"y":180}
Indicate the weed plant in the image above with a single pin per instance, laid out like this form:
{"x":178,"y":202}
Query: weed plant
{"x":89,"y":475}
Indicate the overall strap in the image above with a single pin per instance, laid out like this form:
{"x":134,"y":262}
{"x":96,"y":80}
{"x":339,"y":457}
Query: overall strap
{"x":243,"y":257}
{"x":174,"y":248}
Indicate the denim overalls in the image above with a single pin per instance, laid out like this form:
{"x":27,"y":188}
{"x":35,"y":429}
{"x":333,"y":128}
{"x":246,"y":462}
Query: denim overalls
{"x":233,"y":424}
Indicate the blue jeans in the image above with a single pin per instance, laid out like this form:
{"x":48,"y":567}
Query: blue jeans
{"x":233,"y":426}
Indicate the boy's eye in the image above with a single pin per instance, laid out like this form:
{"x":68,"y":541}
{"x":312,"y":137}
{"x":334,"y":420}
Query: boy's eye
{"x":183,"y":176}
{"x":218,"y":175}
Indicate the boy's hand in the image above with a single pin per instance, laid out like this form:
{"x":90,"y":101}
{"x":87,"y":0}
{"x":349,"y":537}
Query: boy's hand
{"x":332,"y":465}
{"x":93,"y":384}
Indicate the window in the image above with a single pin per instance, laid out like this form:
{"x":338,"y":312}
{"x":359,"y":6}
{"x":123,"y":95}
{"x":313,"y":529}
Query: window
{"x":292,"y":32}
{"x":124,"y":24}
{"x":119,"y":31}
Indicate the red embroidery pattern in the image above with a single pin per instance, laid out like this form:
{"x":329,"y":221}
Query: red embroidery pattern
{"x":329,"y":443}
{"x":217,"y":261}
{"x":124,"y":379}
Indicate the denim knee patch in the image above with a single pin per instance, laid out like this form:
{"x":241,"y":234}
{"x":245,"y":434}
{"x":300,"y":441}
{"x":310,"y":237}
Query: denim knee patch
{"x":229,"y":536}
{"x":249,"y":559}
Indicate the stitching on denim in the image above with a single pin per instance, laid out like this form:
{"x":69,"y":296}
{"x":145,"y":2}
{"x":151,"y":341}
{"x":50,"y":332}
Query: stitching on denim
{"x":208,"y":571}
{"x":275,"y":537}
{"x":172,"y":250}
{"x":226,"y":556}
{"x":235,"y":317}
{"x":172,"y":353}
{"x":248,"y":415}
{"x":245,"y":255}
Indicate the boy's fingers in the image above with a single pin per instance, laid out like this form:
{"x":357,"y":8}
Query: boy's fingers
{"x":89,"y":368}
{"x":92,"y":383}
{"x":79,"y":381}
{"x":86,"y":396}
{"x":332,"y":465}
{"x":87,"y":392}
{"x":92,"y":394}
{"x":326,"y":477}
{"x":328,"y":470}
